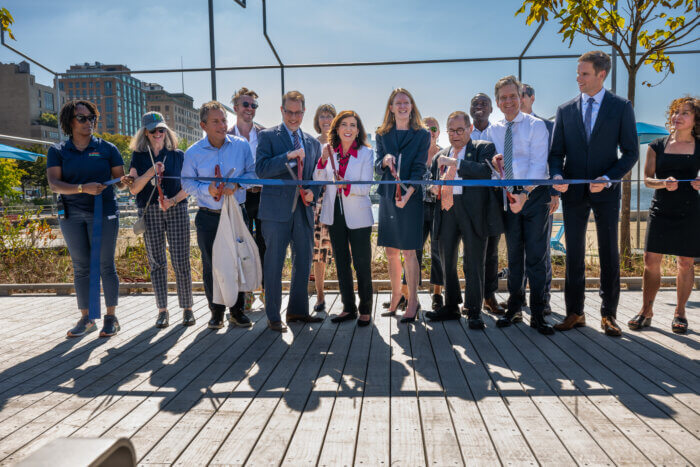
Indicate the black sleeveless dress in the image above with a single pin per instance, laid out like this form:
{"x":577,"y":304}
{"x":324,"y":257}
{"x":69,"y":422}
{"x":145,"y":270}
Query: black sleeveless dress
{"x":674,"y":216}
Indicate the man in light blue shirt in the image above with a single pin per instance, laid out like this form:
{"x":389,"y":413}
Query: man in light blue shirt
{"x":233,"y":157}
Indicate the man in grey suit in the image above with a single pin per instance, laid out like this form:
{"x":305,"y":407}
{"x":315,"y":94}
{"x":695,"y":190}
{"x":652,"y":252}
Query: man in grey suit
{"x":286,"y":212}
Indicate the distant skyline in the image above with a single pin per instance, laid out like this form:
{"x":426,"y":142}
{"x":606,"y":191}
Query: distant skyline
{"x":157,"y":34}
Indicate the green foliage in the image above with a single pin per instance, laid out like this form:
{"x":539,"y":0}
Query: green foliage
{"x":10,"y":177}
{"x":183,"y":144}
{"x":6,"y":20}
{"x":48,"y":119}
{"x":640,"y":31}
{"x":122,"y":143}
{"x":34,"y":172}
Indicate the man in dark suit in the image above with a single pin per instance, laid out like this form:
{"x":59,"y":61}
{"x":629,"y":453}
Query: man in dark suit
{"x":469,"y":214}
{"x":527,"y":98}
{"x":286,"y":212}
{"x":587,"y":133}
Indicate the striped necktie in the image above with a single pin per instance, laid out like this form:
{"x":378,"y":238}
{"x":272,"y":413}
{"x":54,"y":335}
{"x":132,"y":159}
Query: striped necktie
{"x":508,"y":154}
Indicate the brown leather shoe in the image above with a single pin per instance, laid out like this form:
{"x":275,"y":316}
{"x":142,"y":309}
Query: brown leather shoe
{"x":277,"y":326}
{"x":610,"y":327}
{"x":494,"y":307}
{"x":571,"y":321}
{"x":303,"y":319}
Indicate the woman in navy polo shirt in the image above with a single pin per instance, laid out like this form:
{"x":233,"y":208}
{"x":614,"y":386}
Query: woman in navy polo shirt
{"x":155,"y":148}
{"x":76,"y":169}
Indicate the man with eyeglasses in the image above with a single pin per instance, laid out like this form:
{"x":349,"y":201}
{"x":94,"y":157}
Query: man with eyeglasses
{"x":480,"y":109}
{"x":469,"y":214}
{"x":527,"y":98}
{"x":285,"y":152}
{"x":245,"y":104}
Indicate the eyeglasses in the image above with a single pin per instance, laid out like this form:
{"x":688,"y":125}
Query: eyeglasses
{"x":86,"y":118}
{"x":458,"y":131}
{"x":433,"y":129}
{"x":247,"y":104}
{"x":157,"y":130}
{"x":289,"y":113}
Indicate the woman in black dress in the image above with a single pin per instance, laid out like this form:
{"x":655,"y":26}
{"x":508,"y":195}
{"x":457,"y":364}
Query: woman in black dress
{"x":674,"y":215}
{"x":402,"y":149}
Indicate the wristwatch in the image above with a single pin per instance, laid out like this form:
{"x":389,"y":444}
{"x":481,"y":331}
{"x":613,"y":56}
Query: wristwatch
{"x":80,"y":187}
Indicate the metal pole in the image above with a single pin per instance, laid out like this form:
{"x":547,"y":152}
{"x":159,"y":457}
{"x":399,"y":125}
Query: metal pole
{"x":272,"y":47}
{"x":211,"y":50}
{"x":527,"y":46}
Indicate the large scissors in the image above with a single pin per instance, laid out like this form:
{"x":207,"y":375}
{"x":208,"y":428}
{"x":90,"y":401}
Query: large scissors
{"x":298,"y":176}
{"x":499,"y":173}
{"x":221,"y":185}
{"x":396,"y":173}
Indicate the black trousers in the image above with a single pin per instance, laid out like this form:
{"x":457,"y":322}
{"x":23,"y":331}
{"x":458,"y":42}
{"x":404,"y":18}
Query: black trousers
{"x":607,"y":215}
{"x":252,"y":203}
{"x":356,"y":243}
{"x":527,"y":236}
{"x":206,"y":223}
{"x":455,"y":226}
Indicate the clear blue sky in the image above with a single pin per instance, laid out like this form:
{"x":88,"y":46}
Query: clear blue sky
{"x":147,"y":35}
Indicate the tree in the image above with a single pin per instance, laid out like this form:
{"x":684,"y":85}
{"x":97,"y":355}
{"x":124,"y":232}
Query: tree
{"x":122,"y":143}
{"x":10,"y":177}
{"x":6,"y":20}
{"x":640,"y":31}
{"x":34,"y":172}
{"x":48,"y":119}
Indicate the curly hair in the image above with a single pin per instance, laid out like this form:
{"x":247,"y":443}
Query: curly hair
{"x":334,"y":138}
{"x":676,"y":105}
{"x":68,"y":112}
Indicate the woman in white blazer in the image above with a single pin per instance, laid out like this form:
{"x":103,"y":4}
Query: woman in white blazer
{"x":347,"y":210}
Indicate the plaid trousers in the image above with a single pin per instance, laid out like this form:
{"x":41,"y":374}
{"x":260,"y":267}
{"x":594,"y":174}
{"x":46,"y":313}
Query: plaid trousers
{"x":173,"y":224}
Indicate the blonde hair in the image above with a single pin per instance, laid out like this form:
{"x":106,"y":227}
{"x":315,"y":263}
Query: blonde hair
{"x":140,"y":143}
{"x":244,"y":91}
{"x":415,"y":122}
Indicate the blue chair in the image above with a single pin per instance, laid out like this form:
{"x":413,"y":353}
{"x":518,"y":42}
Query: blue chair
{"x":555,"y":242}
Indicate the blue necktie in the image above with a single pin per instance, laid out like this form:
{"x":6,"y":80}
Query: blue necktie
{"x":508,"y":154}
{"x":589,"y":117}
{"x":95,"y":249}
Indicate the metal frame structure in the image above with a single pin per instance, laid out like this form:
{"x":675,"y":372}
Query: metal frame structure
{"x":282,"y":66}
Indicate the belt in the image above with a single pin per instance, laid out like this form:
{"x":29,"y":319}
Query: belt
{"x":213,"y":211}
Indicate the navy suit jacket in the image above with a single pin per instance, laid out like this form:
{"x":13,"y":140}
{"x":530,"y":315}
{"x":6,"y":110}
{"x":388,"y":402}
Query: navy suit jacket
{"x":270,"y":162}
{"x":413,"y":158}
{"x":571,"y":155}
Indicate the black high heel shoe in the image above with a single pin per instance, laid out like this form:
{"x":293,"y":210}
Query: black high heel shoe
{"x":639,"y":322}
{"x":412,"y":318}
{"x":400,"y":306}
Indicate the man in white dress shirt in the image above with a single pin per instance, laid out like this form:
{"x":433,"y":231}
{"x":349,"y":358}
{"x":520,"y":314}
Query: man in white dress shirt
{"x":523,"y":145}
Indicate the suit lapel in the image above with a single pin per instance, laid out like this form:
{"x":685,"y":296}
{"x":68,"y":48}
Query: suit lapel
{"x":309,"y":160}
{"x":579,"y":119}
{"x":284,"y":136}
{"x":604,"y":107}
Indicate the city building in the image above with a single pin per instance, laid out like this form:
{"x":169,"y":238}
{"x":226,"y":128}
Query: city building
{"x":118,"y":96}
{"x":178,"y":110}
{"x":23,"y":100}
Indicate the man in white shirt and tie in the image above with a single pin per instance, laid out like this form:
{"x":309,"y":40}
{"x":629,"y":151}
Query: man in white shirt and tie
{"x":523,"y":145}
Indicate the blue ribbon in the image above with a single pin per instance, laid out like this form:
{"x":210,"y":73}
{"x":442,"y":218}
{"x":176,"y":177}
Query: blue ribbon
{"x":95,"y":250}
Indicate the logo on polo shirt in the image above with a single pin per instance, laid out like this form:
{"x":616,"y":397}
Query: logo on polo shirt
{"x":94,"y":154}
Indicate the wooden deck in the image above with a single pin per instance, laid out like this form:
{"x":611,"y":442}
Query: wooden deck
{"x":427,"y":394}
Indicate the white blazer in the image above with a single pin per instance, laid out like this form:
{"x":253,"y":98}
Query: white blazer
{"x":357,"y":207}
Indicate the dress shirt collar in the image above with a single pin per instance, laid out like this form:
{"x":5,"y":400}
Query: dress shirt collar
{"x":91,"y":145}
{"x":290,"y":133}
{"x":460,"y":154}
{"x":518,"y":118}
{"x":207,"y":144}
{"x":598,"y":96}
{"x":253,"y":132}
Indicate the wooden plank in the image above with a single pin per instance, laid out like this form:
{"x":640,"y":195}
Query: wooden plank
{"x":241,"y":440}
{"x":374,"y":432}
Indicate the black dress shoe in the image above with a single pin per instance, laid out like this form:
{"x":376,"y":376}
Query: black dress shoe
{"x":237,"y":318}
{"x":443,"y":314}
{"x":277,"y":326}
{"x":188,"y":318}
{"x":163,"y":320}
{"x":364,"y":322}
{"x":542,"y":326}
{"x":320,"y":307}
{"x":343,"y":317}
{"x":411,"y":319}
{"x":401,"y":306}
{"x":217,"y":319}
{"x":475,"y":322}
{"x":303,"y":319}
{"x":437,"y":302}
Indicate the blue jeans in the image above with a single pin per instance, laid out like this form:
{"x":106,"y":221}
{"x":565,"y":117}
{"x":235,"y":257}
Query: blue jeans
{"x":77,"y":232}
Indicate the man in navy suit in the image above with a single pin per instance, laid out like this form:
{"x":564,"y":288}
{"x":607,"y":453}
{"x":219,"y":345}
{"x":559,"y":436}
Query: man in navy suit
{"x":588,"y":131}
{"x":286,"y":212}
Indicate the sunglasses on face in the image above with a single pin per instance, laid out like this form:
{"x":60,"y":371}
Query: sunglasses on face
{"x":85,"y":118}
{"x":433,"y":129}
{"x":246,"y":104}
{"x":156,"y":130}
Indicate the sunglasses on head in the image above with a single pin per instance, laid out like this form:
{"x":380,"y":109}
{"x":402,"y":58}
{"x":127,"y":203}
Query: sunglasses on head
{"x":157,"y":130}
{"x":246,"y":104}
{"x":85,"y":118}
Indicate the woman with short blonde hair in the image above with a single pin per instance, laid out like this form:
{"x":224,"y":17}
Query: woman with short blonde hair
{"x":155,"y":150}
